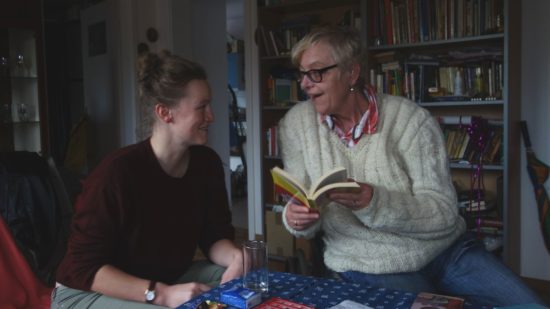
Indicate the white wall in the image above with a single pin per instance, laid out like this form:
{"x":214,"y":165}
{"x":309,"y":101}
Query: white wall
{"x":253,"y":111}
{"x":203,"y":21}
{"x":535,"y":109}
{"x":235,"y":18}
{"x":190,"y":28}
{"x":99,"y":90}
{"x":133,"y":19}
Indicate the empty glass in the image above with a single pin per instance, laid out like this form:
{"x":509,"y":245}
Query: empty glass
{"x":255,"y":276}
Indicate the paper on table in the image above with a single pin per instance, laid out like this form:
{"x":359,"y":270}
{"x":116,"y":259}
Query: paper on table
{"x":350,"y":304}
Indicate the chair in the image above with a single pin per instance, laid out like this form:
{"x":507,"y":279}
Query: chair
{"x":35,"y":213}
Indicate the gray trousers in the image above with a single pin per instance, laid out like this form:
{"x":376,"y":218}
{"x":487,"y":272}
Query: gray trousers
{"x":64,"y":297}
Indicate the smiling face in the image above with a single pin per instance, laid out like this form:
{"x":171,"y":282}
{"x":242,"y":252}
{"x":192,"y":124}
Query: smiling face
{"x":330,"y":95}
{"x":193,"y":114}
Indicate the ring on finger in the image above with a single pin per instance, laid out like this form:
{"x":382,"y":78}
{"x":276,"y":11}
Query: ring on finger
{"x":295,"y":222}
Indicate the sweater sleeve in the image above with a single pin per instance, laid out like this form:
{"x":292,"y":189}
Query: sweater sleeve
{"x":94,"y":227}
{"x":428,"y":210}
{"x":218,"y":216}
{"x":293,"y":159}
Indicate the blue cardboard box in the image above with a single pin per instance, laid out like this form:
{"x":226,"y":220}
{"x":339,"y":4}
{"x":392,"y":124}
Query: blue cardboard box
{"x":241,"y":297}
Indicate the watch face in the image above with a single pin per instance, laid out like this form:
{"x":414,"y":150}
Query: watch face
{"x":150,"y":296}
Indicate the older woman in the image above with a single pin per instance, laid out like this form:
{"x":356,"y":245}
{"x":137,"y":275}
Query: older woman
{"x":402,"y":229}
{"x":147,"y":207}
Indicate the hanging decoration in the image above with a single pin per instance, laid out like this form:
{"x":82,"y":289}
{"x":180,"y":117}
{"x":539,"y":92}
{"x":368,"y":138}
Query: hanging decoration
{"x":479,"y":132}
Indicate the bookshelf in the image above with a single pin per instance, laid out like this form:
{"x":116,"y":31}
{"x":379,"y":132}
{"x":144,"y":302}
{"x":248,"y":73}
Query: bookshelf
{"x":280,"y":24}
{"x":460,"y":60}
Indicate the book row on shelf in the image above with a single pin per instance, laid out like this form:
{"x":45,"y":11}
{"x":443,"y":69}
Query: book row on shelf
{"x":278,"y":40}
{"x":283,"y":91}
{"x":491,"y":236}
{"x":272,"y":141}
{"x":474,"y":201}
{"x":462,"y":147}
{"x":476,"y":75}
{"x":413,"y":21}
{"x":482,"y":213}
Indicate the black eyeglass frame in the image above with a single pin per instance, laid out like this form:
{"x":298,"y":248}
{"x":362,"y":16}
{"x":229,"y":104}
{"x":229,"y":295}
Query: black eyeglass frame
{"x":315,"y":72}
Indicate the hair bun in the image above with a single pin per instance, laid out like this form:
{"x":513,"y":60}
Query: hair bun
{"x":145,"y":64}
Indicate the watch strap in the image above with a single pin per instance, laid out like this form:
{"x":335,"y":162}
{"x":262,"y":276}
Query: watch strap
{"x":150,"y":289}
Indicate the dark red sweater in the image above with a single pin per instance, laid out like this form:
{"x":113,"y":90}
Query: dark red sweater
{"x":137,"y":218}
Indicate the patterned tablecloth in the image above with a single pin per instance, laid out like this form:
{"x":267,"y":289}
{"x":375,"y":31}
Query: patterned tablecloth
{"x":320,"y":293}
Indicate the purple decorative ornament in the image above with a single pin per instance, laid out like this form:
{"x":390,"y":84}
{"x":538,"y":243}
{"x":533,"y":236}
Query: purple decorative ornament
{"x":479,"y":132}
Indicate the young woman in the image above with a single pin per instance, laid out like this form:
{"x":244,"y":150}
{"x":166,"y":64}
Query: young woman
{"x":146,"y":208}
{"x":402,"y":230}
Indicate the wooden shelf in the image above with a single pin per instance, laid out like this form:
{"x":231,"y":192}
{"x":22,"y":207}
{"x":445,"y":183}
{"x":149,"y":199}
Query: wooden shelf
{"x":461,"y":103}
{"x":466,"y":166}
{"x":287,"y":22}
{"x":470,"y":39}
{"x":495,"y":80}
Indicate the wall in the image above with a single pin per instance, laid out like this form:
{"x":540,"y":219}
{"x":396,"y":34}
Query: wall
{"x":190,"y":28}
{"x":253,"y":110}
{"x":203,"y":21}
{"x":235,"y":18}
{"x":99,"y":89}
{"x":535,"y":109}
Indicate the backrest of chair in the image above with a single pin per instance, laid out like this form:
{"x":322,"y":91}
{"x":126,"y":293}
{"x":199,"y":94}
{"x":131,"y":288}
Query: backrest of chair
{"x":36,"y":210}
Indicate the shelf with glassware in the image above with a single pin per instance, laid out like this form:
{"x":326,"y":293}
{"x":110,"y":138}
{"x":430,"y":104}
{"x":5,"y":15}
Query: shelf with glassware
{"x":21,"y":91}
{"x":449,"y":57}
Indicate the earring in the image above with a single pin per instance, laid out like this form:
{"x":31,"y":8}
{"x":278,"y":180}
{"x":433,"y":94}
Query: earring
{"x":351,"y":89}
{"x":169,"y":117}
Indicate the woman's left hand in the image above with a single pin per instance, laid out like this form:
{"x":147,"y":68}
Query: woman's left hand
{"x":353,"y":200}
{"x":235,"y":268}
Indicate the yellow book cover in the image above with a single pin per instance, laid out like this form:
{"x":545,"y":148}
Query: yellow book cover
{"x":314,"y":197}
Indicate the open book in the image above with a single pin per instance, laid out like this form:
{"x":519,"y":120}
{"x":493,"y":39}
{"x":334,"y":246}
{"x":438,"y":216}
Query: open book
{"x":314,"y":197}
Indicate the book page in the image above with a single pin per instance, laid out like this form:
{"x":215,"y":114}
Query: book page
{"x":338,"y":174}
{"x":348,"y":186}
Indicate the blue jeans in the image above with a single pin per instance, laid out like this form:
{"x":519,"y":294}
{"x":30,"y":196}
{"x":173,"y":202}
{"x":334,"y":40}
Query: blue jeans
{"x":465,"y":269}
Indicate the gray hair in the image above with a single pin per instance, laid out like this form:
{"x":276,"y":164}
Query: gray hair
{"x":346,"y":45}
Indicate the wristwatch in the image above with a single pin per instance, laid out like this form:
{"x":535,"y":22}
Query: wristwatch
{"x":150,"y":292}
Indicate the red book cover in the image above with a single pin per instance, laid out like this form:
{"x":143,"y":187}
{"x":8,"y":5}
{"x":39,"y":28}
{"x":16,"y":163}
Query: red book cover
{"x":433,"y":301}
{"x":279,"y":303}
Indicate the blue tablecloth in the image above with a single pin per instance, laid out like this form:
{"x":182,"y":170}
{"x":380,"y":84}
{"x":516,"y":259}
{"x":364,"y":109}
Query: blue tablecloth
{"x":321,"y":293}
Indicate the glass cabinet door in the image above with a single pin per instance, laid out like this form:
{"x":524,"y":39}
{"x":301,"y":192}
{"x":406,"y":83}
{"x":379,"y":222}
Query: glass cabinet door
{"x":19,"y":96}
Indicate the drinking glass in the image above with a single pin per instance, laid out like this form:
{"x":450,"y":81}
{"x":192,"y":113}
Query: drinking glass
{"x":255,"y":275}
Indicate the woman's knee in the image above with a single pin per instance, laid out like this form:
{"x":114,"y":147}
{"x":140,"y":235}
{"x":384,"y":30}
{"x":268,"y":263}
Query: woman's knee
{"x":203,"y":271}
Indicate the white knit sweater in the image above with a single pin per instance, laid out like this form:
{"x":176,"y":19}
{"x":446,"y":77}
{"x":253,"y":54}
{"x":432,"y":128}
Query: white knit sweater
{"x":413,"y":215}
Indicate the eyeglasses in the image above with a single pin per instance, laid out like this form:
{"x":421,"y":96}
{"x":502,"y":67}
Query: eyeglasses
{"x":315,"y":75}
